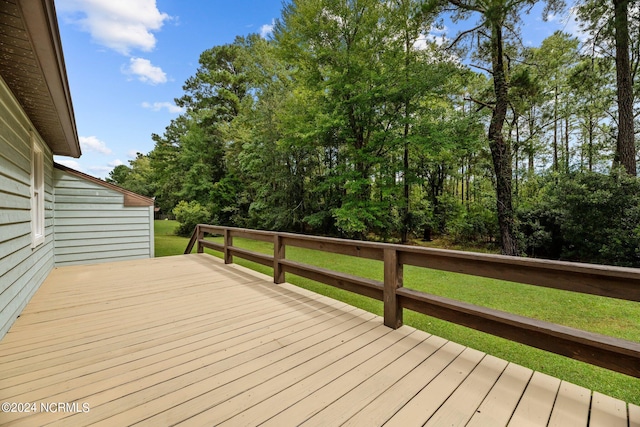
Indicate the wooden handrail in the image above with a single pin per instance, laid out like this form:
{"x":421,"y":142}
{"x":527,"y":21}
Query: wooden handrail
{"x":601,"y":350}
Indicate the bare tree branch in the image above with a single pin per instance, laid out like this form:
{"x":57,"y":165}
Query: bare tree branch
{"x":481,"y":103}
{"x":466,"y":6}
{"x":463,"y":34}
{"x":482,"y":68}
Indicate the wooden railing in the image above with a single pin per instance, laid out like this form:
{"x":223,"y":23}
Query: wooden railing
{"x":601,"y":350}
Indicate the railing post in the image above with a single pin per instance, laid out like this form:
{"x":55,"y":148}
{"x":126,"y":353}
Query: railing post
{"x":228,"y":242}
{"x":278,"y":254}
{"x":392,"y":281}
{"x":200,"y":237}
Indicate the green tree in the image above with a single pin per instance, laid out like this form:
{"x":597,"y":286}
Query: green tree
{"x":336,"y":47}
{"x":137,"y":177}
{"x":140,"y":180}
{"x":555,"y":59}
{"x":590,"y":86}
{"x":587,"y":217}
{"x":189,"y":215}
{"x":119,"y":175}
{"x":614,"y":26}
{"x":189,"y":160}
{"x":498,"y":19}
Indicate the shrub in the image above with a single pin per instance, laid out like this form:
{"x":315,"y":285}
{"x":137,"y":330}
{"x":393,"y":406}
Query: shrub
{"x":587,"y":217}
{"x":477,"y":224}
{"x":189,"y":215}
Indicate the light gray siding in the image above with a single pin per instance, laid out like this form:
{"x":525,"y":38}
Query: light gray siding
{"x":92,"y":224}
{"x":22,"y":268}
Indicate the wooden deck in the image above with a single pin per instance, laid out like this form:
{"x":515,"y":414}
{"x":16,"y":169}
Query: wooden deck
{"x":188,"y":340}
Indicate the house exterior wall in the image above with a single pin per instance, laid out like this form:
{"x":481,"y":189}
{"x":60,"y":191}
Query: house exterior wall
{"x":92,"y":225}
{"x":22,"y":268}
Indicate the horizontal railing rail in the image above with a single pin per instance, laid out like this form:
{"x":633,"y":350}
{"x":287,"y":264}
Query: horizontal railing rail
{"x":615,"y":282}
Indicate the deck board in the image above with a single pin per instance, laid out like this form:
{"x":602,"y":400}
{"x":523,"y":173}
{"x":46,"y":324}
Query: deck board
{"x":571,"y":407}
{"x":188,"y":340}
{"x":498,"y":406}
{"x":536,"y":404}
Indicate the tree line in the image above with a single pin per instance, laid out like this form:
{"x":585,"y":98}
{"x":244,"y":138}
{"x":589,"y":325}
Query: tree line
{"x":351,"y":120}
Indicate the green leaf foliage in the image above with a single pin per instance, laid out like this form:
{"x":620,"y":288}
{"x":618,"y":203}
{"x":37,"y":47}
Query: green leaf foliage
{"x":587,"y":217}
{"x":190,"y":214}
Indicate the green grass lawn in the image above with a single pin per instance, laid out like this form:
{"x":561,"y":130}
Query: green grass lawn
{"x":603,"y":315}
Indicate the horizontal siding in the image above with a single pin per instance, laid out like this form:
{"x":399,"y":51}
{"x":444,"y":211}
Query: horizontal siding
{"x":102,"y":221}
{"x":14,"y":131}
{"x":115,"y":258}
{"x":10,"y":185}
{"x":119,"y":241}
{"x":98,"y":257}
{"x":75,"y":237}
{"x":107,"y":209}
{"x":22,"y":274}
{"x":22,"y":268}
{"x":62,"y":231}
{"x":93,"y":225}
{"x":89,"y":199}
{"x":101,"y":194}
{"x":98,"y":247}
{"x":109,"y":213}
{"x":74,"y":183}
{"x":9,"y":167}
{"x":12,"y":231}
{"x":13,"y":201}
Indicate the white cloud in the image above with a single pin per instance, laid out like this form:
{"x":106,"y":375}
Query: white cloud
{"x":436,"y":35}
{"x":267,"y":29}
{"x":145,"y":71}
{"x":157,"y":106}
{"x":551,"y":17}
{"x":70,"y":164}
{"x":100,"y":171}
{"x":103,"y":171}
{"x":132,"y":154}
{"x":91,"y":143}
{"x":121,"y":25}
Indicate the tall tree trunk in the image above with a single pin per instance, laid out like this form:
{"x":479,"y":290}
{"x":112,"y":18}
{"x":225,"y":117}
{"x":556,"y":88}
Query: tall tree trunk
{"x":405,"y":185}
{"x":555,"y":131}
{"x":566,"y":144}
{"x":462,"y":183}
{"x":500,"y":150}
{"x":405,"y":160}
{"x":531,"y":164}
{"x":516,"y":149}
{"x":625,"y":146}
{"x":590,"y":152}
{"x":469,"y":166}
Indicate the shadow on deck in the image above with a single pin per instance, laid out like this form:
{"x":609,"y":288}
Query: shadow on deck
{"x":188,"y":340}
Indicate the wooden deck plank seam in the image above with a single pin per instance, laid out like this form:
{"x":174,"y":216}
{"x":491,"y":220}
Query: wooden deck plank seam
{"x":223,"y":349}
{"x":176,"y":348}
{"x":331,"y":382}
{"x":380,"y":410}
{"x":87,"y":309}
{"x":305,"y":362}
{"x":52,"y":357}
{"x":376,"y":386}
{"x":259,"y":303}
{"x":216,"y":335}
{"x":519,"y":400}
{"x":135,"y":377}
{"x":248,"y":365}
{"x":67,"y":381}
{"x":111,"y":321}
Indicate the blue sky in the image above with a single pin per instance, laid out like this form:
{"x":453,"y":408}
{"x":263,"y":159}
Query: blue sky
{"x":127,"y":60}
